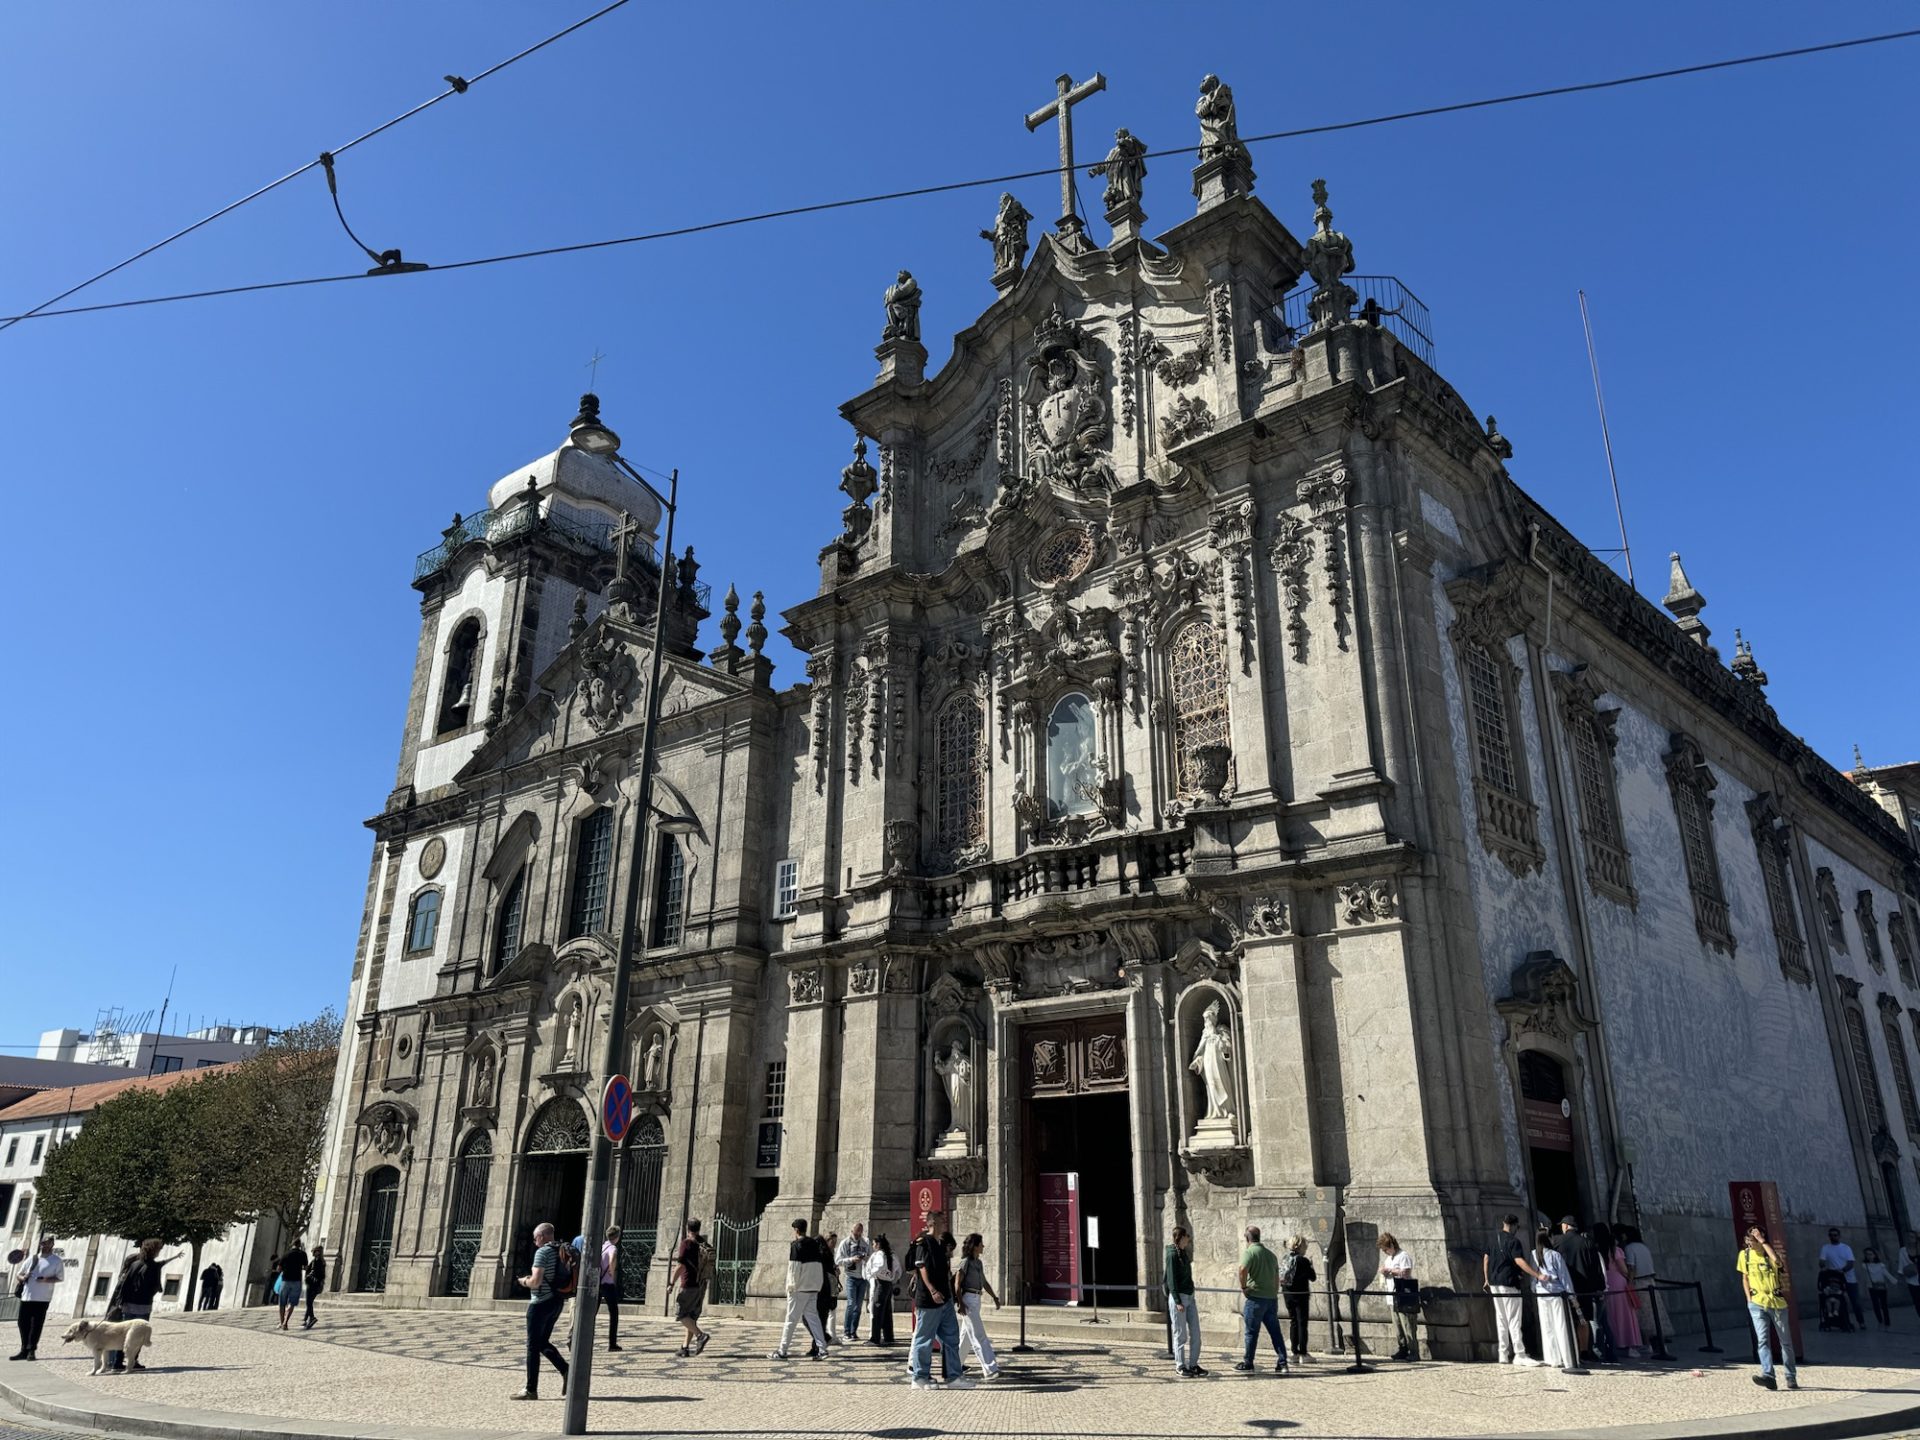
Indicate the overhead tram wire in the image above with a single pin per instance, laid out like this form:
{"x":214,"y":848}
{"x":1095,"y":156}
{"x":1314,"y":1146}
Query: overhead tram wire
{"x":456,"y":85}
{"x":922,"y":191}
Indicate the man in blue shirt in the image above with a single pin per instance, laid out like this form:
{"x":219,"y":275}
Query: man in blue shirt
{"x":543,"y":1309}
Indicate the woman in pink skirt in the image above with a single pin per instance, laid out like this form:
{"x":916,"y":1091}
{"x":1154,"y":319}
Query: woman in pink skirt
{"x":1623,"y":1313}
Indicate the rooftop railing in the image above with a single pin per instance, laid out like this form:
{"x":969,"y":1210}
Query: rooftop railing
{"x":508,"y":522}
{"x":1289,"y":320}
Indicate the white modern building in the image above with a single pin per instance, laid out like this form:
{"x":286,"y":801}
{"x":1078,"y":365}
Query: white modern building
{"x":150,"y":1052}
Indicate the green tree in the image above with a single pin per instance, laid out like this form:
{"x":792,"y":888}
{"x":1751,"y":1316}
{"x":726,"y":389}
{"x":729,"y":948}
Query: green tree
{"x":276,"y":1127}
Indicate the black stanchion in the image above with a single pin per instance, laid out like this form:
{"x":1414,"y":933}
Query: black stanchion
{"x":1023,"y":1348}
{"x":1359,"y":1365}
{"x":1706,"y":1325}
{"x":1659,"y":1331}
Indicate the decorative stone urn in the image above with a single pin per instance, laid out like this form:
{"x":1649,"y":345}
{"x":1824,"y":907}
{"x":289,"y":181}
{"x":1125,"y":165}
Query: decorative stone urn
{"x":1210,"y":769}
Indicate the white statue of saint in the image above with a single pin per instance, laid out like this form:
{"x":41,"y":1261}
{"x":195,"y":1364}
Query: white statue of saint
{"x":652,"y":1064}
{"x":482,"y":1079}
{"x":575,"y":1012}
{"x":1213,"y":1063}
{"x":956,"y":1071}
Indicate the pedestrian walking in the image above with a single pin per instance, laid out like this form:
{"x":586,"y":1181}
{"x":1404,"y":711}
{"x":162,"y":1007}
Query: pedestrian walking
{"x":1760,"y":1279}
{"x":548,"y":1282}
{"x":1877,"y":1281}
{"x":1589,"y":1287}
{"x":1644,"y":1275}
{"x":805,"y":1275}
{"x":311,"y":1282}
{"x":34,"y":1279}
{"x":1260,"y":1305}
{"x":1623,"y":1319}
{"x":850,"y":1258}
{"x":1501,"y":1271}
{"x":211,"y":1280}
{"x":692,"y":1272}
{"x":1396,"y":1275}
{"x":1296,"y":1285}
{"x":140,"y":1280}
{"x":973,"y":1287}
{"x":1837,"y":1255}
{"x":1183,"y":1315}
{"x":1555,"y":1291}
{"x":1908,"y":1265}
{"x":293,"y":1271}
{"x":609,"y":1275}
{"x":883,"y":1274}
{"x":930,"y":1277}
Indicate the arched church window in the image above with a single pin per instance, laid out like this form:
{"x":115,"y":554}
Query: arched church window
{"x":423,"y":921}
{"x":669,"y":896}
{"x":1691,"y":781}
{"x":1863,"y":1065}
{"x":958,"y":811}
{"x":513,"y":907}
{"x":1869,"y":931}
{"x":456,"y":688}
{"x":592,"y":864}
{"x":1073,"y":764}
{"x":1198,"y":667}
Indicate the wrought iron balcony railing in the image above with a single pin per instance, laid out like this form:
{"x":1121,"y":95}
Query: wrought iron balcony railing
{"x":509,"y":522}
{"x":1289,"y":320}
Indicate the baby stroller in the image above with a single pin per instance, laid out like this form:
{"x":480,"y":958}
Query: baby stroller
{"x":1832,"y":1290}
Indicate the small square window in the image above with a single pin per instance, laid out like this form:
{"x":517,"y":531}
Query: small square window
{"x":171,"y":1288}
{"x":101,"y":1284}
{"x":786,"y":890}
{"x":776,"y":1104}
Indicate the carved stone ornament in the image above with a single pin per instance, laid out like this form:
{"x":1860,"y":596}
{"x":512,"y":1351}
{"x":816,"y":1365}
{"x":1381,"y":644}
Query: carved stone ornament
{"x":1545,"y":999}
{"x":806,"y":986}
{"x":820,"y":676}
{"x":1068,"y":431}
{"x":1211,"y":767}
{"x":1290,"y":554}
{"x":1368,"y":902}
{"x":967,"y":1174}
{"x":1229,"y":1165}
{"x":432,"y":856}
{"x":1231,"y":529}
{"x":863,"y":977}
{"x":1268,"y":915}
{"x":609,"y":683}
{"x":387,"y":1127}
{"x":1188,"y":418}
{"x":903,"y":846}
{"x":1327,"y":489}
{"x":947,"y":996}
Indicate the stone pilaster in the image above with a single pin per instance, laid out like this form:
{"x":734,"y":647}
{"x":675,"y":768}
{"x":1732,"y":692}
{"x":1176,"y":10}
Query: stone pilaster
{"x":878,"y":1087}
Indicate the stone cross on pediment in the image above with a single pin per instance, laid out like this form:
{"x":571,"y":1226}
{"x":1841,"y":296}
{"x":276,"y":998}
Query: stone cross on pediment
{"x":1072,"y":232}
{"x":624,"y":534}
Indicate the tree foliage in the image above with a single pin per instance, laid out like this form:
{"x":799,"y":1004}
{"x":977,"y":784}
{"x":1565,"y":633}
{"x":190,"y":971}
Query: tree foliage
{"x":280,"y":1112}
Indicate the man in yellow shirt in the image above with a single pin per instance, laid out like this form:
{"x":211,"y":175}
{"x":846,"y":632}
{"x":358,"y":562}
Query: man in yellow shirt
{"x":1762,"y":1277}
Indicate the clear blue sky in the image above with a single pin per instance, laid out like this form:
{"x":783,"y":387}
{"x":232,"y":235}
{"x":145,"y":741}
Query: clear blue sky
{"x":215,"y":506}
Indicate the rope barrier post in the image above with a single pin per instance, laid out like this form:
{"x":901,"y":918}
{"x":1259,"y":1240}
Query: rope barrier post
{"x":1573,"y":1335}
{"x":1359,"y":1365}
{"x":1659,"y":1331}
{"x":1023,"y":1348}
{"x":1706,"y":1325}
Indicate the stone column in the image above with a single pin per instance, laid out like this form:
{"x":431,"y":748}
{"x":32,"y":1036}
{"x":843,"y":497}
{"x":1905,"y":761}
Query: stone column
{"x":709,"y":1127}
{"x":806,"y":1147}
{"x":878,"y":1091}
{"x":1280,"y":1063}
{"x":1146,"y":1065}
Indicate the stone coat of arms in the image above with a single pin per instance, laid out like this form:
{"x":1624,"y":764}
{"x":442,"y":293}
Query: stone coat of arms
{"x":609,"y":681}
{"x":1069,"y":428}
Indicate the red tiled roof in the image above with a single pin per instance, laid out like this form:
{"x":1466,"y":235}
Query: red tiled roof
{"x":79,"y":1099}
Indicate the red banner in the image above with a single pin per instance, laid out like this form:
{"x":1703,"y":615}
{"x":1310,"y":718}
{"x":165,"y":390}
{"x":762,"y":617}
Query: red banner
{"x":1757,"y":1202}
{"x":1060,"y":1238}
{"x":1548,"y":1124}
{"x":923,"y":1199}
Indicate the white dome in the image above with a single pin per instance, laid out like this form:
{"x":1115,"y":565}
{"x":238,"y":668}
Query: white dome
{"x":583,"y":484}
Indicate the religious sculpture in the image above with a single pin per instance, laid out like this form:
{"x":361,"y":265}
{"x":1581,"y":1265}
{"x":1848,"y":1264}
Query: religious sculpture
{"x":955,"y":1070}
{"x":903,"y":309}
{"x":1009,"y":237}
{"x":653,"y":1064}
{"x":482,"y":1091}
{"x":1219,"y":126}
{"x":576,"y":1018}
{"x":1125,"y":168}
{"x":1064,"y":398}
{"x":1213,"y":1063}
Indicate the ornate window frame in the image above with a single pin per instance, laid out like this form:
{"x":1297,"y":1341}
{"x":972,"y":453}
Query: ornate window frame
{"x":959,"y":799}
{"x":1190,"y":724}
{"x":1901,"y":943}
{"x":1897,"y":1058}
{"x":1869,"y":931}
{"x":578,"y":924}
{"x":1487,"y":617}
{"x":1591,"y":743}
{"x":1773,"y":840}
{"x":1827,"y":897}
{"x":1860,"y":1053}
{"x":1691,"y":780}
{"x":509,"y":921}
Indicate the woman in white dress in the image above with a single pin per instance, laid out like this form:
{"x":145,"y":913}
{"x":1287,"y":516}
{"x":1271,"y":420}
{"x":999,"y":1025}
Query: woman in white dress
{"x":1556,"y":1323}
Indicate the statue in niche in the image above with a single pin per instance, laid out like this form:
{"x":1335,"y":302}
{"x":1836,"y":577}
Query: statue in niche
{"x":1125,"y":168}
{"x":1213,"y":1063}
{"x":482,"y":1091}
{"x":653,"y":1064}
{"x":955,"y":1070}
{"x":903,"y":309}
{"x":1009,"y":236}
{"x":576,"y":1018}
{"x":1219,"y":126}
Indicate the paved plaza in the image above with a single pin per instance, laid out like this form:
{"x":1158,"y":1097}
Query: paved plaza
{"x":392,"y":1372}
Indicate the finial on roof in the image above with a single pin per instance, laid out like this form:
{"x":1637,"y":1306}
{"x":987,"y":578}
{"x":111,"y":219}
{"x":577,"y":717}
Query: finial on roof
{"x":1499,"y":443}
{"x":1684,"y":602}
{"x":730,"y":620}
{"x":1861,"y":775}
{"x":1329,"y":257}
{"x":1744,"y":666}
{"x":757,"y":630}
{"x":858,"y":480}
{"x":577,"y":626}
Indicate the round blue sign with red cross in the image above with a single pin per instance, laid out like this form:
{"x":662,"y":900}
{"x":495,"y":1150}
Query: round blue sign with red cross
{"x":616,"y":1108}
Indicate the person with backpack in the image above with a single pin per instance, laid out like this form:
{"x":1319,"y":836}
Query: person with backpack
{"x":930,"y":1287}
{"x":693,"y":1272}
{"x":806,"y":1273}
{"x":548,"y":1283}
{"x":1296,"y":1285}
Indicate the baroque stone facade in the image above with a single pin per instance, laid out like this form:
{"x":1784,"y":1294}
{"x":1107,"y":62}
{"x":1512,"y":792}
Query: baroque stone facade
{"x":1187,"y":793}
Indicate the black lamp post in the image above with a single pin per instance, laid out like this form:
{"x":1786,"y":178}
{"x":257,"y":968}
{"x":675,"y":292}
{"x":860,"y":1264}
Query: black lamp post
{"x":589,"y":435}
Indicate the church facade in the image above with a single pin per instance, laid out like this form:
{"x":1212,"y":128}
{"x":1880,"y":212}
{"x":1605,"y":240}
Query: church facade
{"x":1218,"y":794}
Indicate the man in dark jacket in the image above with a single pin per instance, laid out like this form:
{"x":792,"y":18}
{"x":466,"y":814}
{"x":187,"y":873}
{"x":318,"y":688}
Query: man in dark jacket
{"x":1183,"y":1316}
{"x":1589,"y":1275}
{"x":133,"y":1297}
{"x":210,"y":1281}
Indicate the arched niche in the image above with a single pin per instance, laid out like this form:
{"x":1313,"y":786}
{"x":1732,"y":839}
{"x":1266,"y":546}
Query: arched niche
{"x":954,"y":1061}
{"x":1211,"y":1046}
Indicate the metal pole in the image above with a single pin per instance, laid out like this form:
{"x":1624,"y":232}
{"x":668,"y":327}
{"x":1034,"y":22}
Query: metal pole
{"x":1359,"y":1365}
{"x":1023,"y":1348}
{"x":1659,"y":1332}
{"x":1701,"y":1295}
{"x":1606,"y":439}
{"x":586,"y":1302}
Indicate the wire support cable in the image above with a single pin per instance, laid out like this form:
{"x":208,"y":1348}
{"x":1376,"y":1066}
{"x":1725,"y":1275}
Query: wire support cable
{"x":949,"y":187}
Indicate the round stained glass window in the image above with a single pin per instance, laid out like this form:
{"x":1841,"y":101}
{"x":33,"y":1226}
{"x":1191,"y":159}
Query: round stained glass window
{"x":1063,"y":556}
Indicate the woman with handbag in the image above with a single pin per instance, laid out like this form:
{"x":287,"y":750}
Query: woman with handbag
{"x":1396,"y":1273}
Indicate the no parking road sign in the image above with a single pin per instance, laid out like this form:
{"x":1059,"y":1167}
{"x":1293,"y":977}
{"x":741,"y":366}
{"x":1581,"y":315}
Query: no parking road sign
{"x":616,"y":1108}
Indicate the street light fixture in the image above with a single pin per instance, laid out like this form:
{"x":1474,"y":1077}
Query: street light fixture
{"x":589,"y":435}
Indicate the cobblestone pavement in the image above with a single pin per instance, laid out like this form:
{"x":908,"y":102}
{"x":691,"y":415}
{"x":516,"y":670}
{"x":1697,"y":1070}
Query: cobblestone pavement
{"x":436,"y":1368}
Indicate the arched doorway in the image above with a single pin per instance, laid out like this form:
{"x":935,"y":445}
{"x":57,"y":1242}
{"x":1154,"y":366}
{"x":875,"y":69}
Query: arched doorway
{"x":553,"y":1177}
{"x":1546,"y":1127}
{"x":644,"y":1166}
{"x":382,"y":1203}
{"x":470,"y":1174}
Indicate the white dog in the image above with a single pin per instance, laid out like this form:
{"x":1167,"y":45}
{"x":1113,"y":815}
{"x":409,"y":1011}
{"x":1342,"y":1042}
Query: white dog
{"x":128,"y":1336}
